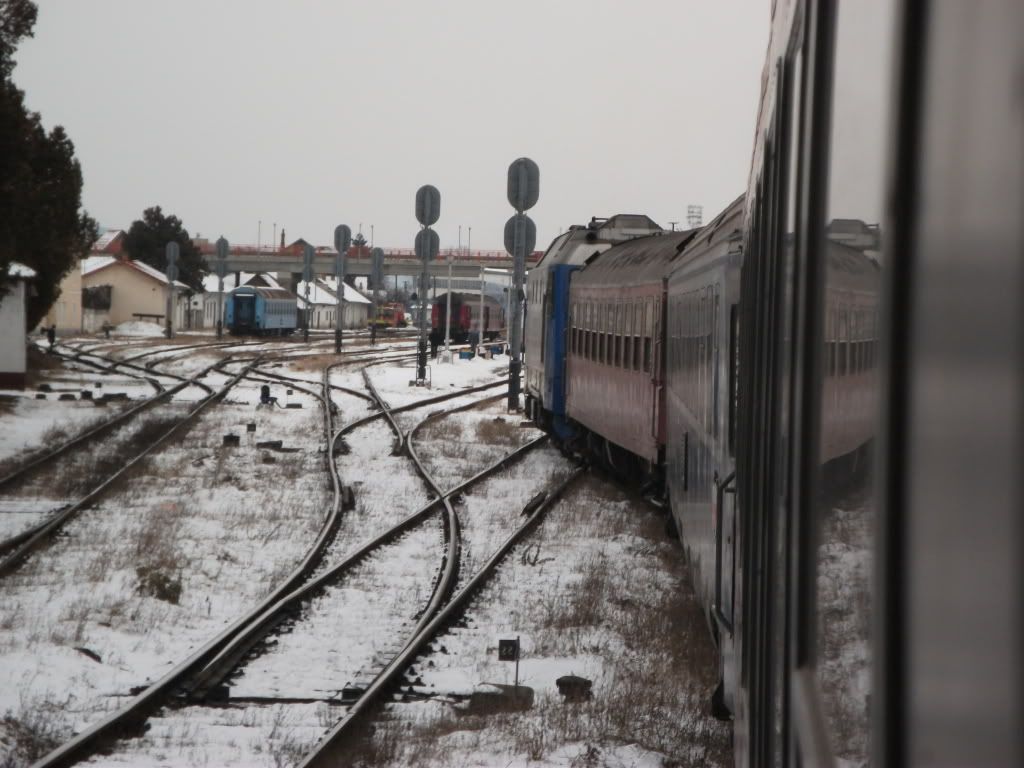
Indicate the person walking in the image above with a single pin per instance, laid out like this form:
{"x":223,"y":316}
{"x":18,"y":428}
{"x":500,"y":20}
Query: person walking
{"x":51,"y":336}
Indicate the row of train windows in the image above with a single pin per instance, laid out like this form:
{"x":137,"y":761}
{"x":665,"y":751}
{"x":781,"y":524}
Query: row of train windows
{"x":631,"y":353}
{"x":627,"y":318}
{"x":849,"y":357}
{"x":693,"y":341}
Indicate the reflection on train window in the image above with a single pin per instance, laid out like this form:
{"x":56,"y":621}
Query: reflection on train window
{"x":844,"y":517}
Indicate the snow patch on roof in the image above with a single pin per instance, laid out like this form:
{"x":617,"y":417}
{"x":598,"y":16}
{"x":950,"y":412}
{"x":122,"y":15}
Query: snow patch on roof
{"x":20,"y":270}
{"x":92,"y":263}
{"x":352,"y":295}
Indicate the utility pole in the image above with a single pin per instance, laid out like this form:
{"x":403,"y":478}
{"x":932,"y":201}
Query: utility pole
{"x":171,"y":252}
{"x":480,"y":321}
{"x":520,"y":239}
{"x":448,"y":313}
{"x":307,"y":276}
{"x":377,"y":278}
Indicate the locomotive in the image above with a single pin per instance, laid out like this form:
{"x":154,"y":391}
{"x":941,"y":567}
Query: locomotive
{"x":823,"y":385}
{"x":390,"y":315}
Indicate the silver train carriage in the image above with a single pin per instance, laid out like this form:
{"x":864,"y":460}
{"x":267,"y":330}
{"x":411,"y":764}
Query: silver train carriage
{"x":544,"y":372}
{"x":876,"y":612}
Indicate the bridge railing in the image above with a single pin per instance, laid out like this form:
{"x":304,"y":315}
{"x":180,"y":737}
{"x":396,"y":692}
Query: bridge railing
{"x":464,"y":254}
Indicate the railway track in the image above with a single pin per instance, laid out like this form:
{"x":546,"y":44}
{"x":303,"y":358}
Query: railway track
{"x":41,"y":458}
{"x":15,"y":550}
{"x":113,"y":365}
{"x":171,"y":685}
{"x":330,"y":750}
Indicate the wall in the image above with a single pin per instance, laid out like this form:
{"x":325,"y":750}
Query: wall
{"x":133,"y":292}
{"x":66,"y":312}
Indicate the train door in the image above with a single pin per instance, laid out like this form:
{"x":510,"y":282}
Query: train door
{"x":245,"y":310}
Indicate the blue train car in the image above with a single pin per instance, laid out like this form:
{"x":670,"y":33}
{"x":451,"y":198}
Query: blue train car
{"x":261,"y":311}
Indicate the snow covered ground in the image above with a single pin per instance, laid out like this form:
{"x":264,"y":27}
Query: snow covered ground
{"x":182,"y":547}
{"x":201,"y":531}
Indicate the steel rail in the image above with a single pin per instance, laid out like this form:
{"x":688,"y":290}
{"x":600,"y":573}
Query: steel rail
{"x":323,"y":754}
{"x":107,"y":368}
{"x":228,"y":659}
{"x":135,"y":711}
{"x":293,"y":379}
{"x":34,"y":461}
{"x":51,"y":525}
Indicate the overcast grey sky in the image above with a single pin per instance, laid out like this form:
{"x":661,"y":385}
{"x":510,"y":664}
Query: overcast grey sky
{"x":315,"y":113}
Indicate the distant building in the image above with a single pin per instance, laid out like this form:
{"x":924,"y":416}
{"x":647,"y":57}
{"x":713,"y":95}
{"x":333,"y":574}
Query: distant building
{"x":323,"y":304}
{"x":137,"y":292}
{"x":13,"y":320}
{"x":70,"y":310}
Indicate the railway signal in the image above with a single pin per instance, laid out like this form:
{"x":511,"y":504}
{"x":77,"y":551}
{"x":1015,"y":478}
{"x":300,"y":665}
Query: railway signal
{"x":376,"y":284}
{"x":172,"y":251}
{"x":520,"y":237}
{"x":342,"y":241}
{"x":428,"y":211}
{"x":221,"y":268}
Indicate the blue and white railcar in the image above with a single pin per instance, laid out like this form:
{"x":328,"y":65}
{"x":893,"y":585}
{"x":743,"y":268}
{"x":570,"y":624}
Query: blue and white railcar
{"x":547,"y":310}
{"x":262,"y":311}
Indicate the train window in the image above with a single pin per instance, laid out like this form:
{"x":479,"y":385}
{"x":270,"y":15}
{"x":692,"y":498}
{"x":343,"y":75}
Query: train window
{"x":734,"y":363}
{"x":714,"y":364}
{"x":842,"y":513}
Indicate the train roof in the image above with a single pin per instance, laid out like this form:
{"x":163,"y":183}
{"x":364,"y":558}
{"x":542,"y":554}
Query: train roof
{"x":851,"y":268}
{"x":725,"y":229}
{"x":467,"y":298}
{"x":582,"y":241}
{"x":266,"y":293}
{"x":635,"y":262}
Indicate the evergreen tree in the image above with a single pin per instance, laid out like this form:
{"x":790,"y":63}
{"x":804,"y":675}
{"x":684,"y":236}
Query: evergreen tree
{"x":40,"y":181}
{"x":147,"y":241}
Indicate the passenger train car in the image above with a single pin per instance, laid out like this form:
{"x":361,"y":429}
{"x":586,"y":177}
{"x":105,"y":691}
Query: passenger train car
{"x":465,"y":317}
{"x":614,"y":353}
{"x":260,"y":311}
{"x":843,"y":354}
{"x":547,"y":287}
